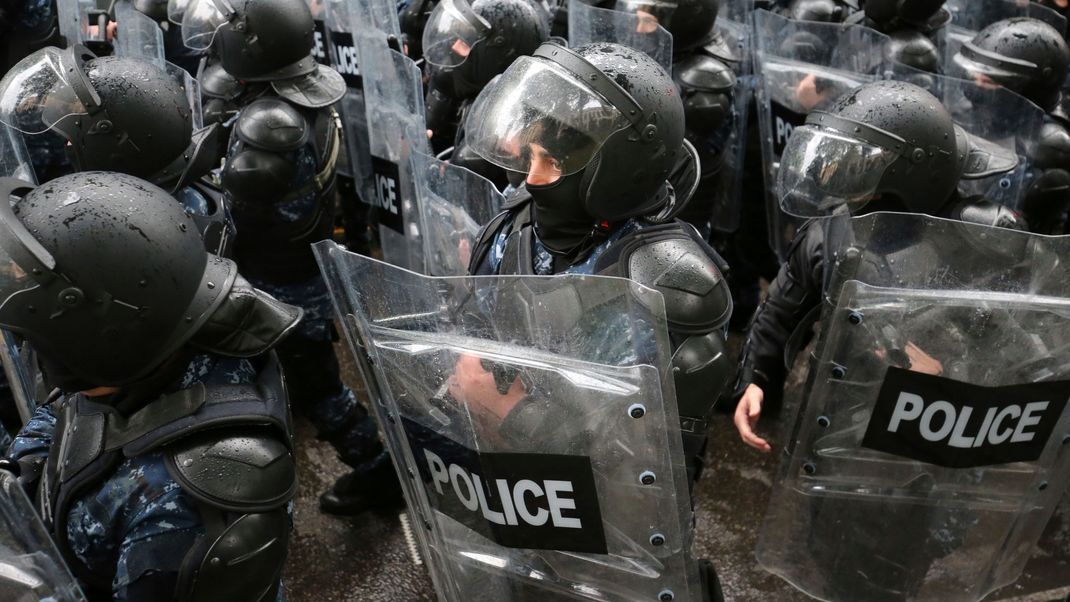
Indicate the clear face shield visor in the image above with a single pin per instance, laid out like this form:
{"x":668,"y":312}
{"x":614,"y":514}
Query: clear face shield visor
{"x":202,"y":19}
{"x":539,"y":117}
{"x":991,"y":70}
{"x":823,"y":171}
{"x":176,"y":10}
{"x":24,"y":263}
{"x":44,"y":88}
{"x":451,"y":33}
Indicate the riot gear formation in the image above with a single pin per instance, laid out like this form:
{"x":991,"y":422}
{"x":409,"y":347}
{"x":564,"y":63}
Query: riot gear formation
{"x":532,"y":222}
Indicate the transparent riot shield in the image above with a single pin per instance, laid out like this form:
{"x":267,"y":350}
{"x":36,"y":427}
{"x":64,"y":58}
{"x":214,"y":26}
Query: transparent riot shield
{"x":394,"y":105}
{"x":17,"y":360}
{"x":137,"y":35}
{"x":803,"y":66}
{"x":192,"y":90}
{"x":454,"y":203}
{"x":736,"y":10}
{"x":575,"y":491}
{"x":639,"y":30}
{"x":722,"y":177}
{"x":380,"y":15}
{"x":732,"y":45}
{"x":723,"y":154}
{"x":930,"y":450}
{"x":73,"y":19}
{"x":31,"y":568}
{"x":992,"y":115}
{"x":15,"y":163}
{"x":344,"y":17}
{"x":343,"y":57}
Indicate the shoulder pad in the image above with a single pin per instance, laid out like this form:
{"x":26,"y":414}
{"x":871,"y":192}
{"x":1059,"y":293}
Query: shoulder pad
{"x":988,"y":213}
{"x":257,"y":176}
{"x":703,"y":72}
{"x":244,"y":563}
{"x":217,"y":83}
{"x":237,"y":470}
{"x":1053,"y":149}
{"x":272,"y":124}
{"x":684,"y":270}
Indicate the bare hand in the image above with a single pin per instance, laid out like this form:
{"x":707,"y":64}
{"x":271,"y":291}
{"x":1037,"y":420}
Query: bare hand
{"x":464,"y":251}
{"x":923,"y":362}
{"x":748,"y":411}
{"x":110,"y":32}
{"x":807,"y":93}
{"x":475,"y":387}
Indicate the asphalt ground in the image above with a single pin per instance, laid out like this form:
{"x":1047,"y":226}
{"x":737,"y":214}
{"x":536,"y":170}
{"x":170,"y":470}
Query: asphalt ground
{"x":368,"y":557}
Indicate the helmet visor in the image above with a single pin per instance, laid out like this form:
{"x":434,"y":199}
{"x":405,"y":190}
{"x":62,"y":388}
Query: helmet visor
{"x":202,"y":20}
{"x":537,"y":113}
{"x":990,"y":70}
{"x":20,"y":253}
{"x":36,"y":94}
{"x":176,"y":10}
{"x":453,"y":29}
{"x":651,"y":13}
{"x":822,"y":170}
{"x":13,"y":280}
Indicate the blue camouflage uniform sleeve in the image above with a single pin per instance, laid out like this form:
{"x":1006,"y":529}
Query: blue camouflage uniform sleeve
{"x":142,"y":521}
{"x":35,"y":437}
{"x":139,"y":524}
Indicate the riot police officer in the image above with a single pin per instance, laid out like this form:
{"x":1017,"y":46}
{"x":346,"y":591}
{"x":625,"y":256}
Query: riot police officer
{"x":279,"y":177}
{"x":160,"y":355}
{"x":127,"y":115}
{"x":465,"y":46}
{"x":597,"y":131}
{"x":866,"y":159}
{"x":1031,"y":58}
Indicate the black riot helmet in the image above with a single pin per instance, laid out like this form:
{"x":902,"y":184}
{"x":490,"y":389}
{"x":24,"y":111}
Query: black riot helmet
{"x":706,"y":86}
{"x":256,"y":40}
{"x":913,"y":48}
{"x":1026,"y":55}
{"x":911,"y":13}
{"x":824,"y":11}
{"x":473,"y":43}
{"x":604,"y":119}
{"x":118,"y":113}
{"x":886,"y":139}
{"x":105,"y":275}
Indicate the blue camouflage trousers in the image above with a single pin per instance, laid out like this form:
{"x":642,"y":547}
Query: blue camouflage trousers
{"x":314,"y":381}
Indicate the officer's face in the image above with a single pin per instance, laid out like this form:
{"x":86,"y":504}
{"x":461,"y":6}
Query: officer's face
{"x":543,"y":169}
{"x":647,"y":22}
{"x":984,"y":81}
{"x":461,"y":48}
